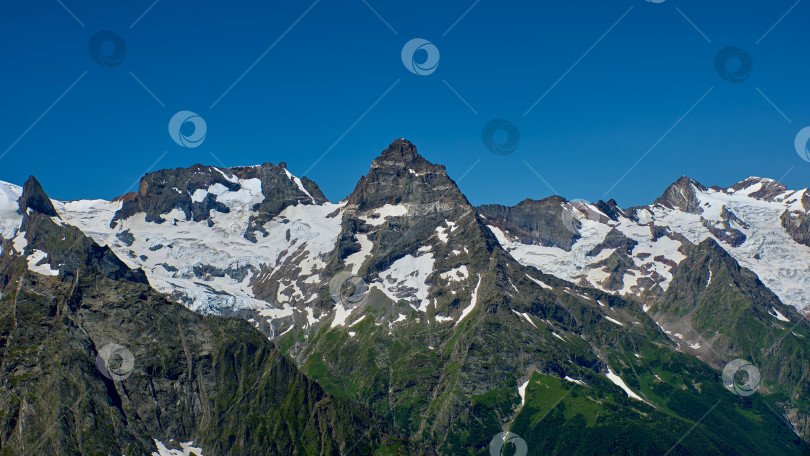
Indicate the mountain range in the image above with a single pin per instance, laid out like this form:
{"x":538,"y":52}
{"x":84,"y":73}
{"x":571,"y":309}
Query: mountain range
{"x":262,"y":318}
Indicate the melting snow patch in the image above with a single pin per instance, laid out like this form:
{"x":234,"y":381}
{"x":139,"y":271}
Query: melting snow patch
{"x":382,"y":213}
{"x":45,"y":268}
{"x":441,"y":233}
{"x":456,"y":274}
{"x":473,"y":300}
{"x":538,"y":282}
{"x":186,"y":450}
{"x":578,"y":382}
{"x":341,"y":314}
{"x":357,"y":321}
{"x":406,"y":277}
{"x":522,"y":392}
{"x":355,"y":260}
{"x":778,"y":315}
{"x":20,"y":242}
{"x":614,"y":321}
{"x":526,"y":316}
{"x":620,"y":383}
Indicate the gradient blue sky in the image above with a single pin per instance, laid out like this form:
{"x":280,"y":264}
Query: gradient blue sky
{"x":317,"y":81}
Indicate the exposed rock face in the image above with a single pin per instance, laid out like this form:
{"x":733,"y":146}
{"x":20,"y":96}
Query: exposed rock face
{"x":535,"y":221}
{"x":797,"y":224}
{"x":34,"y":198}
{"x":768,"y":189}
{"x":616,"y":240}
{"x":725,"y":230}
{"x":682,"y":195}
{"x":611,"y":209}
{"x":68,"y":248}
{"x":402,"y":204}
{"x":194,"y":191}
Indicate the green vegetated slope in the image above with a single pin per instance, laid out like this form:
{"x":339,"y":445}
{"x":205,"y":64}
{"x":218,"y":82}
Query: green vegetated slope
{"x":726,"y":310}
{"x":214,"y":381}
{"x":447,"y":375}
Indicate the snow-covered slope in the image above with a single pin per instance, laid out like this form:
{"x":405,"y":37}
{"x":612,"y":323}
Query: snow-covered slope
{"x":746,"y":219}
{"x":208,"y":263}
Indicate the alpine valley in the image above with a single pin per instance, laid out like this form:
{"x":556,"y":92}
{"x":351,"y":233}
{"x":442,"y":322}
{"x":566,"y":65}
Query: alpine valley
{"x":262,"y":318}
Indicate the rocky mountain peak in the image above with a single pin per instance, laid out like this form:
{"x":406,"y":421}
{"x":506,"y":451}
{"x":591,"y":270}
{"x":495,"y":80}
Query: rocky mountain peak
{"x":400,"y":175}
{"x":34,"y":198}
{"x":760,"y":187}
{"x":401,"y":152}
{"x":682,"y":195}
{"x":199,"y":191}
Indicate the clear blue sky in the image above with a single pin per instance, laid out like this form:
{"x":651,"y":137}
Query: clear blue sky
{"x":327,"y":70}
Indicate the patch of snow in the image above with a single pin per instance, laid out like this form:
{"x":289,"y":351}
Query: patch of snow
{"x":542,"y":284}
{"x":522,"y":392}
{"x":526,"y":316}
{"x":441,"y":233}
{"x":357,"y":321}
{"x":186,"y":449}
{"x":457,"y":274}
{"x":405,"y":279}
{"x":614,"y":321}
{"x":45,"y":268}
{"x":779,"y":315}
{"x":473,"y":301}
{"x":20,"y":242}
{"x":578,"y":382}
{"x":620,"y":383}
{"x":355,"y":260}
{"x":382,"y":213}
